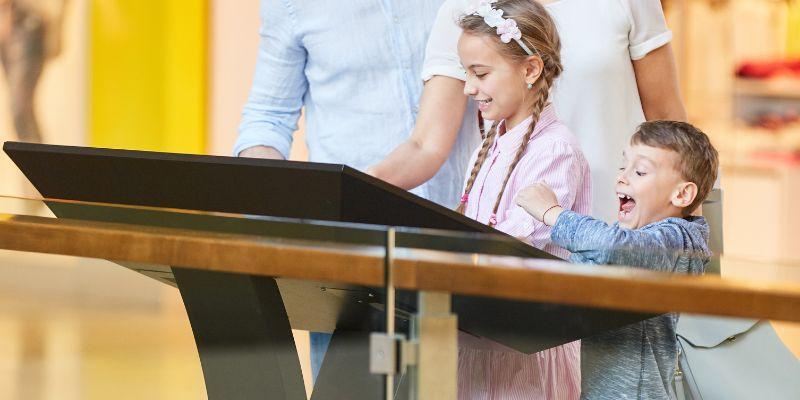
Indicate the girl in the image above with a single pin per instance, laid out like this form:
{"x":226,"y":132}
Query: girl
{"x":511,"y":52}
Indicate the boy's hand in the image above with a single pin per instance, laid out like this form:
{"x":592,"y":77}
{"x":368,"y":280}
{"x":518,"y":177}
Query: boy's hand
{"x":538,"y":199}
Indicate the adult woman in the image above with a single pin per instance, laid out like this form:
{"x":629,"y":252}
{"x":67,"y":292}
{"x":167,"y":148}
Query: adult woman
{"x":619,"y":71}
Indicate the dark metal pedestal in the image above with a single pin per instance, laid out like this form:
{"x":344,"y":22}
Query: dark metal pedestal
{"x":247,"y":350}
{"x":243,"y":336}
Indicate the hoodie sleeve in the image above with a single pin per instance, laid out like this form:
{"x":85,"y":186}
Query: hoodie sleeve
{"x":663,"y":247}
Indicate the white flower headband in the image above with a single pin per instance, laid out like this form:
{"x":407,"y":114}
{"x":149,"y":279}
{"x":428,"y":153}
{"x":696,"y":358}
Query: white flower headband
{"x":506,"y":27}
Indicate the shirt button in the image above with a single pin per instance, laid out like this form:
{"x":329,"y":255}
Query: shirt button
{"x":416,"y":109}
{"x":396,"y":20}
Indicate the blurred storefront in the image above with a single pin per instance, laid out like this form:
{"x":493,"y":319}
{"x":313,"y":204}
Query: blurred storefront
{"x":740,"y":73}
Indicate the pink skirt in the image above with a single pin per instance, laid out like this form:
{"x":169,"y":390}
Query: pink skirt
{"x":488,"y":370}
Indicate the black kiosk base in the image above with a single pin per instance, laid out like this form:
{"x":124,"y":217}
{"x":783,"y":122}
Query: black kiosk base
{"x":242,"y":324}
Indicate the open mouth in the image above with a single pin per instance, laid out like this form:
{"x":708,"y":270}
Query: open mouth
{"x":626,"y":204}
{"x":484,"y":104}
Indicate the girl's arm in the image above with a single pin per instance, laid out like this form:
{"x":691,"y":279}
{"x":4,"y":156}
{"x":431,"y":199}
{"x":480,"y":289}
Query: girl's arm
{"x":441,"y":109}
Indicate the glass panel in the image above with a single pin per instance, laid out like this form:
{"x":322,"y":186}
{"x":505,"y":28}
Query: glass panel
{"x":735,"y":264}
{"x":274,"y":227}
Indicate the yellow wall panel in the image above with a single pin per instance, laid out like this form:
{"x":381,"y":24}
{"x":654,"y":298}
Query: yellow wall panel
{"x":793,"y":42}
{"x":148,"y":69}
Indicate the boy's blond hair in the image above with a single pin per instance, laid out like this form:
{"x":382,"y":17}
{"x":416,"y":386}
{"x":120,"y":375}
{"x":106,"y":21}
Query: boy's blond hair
{"x":698,"y":160}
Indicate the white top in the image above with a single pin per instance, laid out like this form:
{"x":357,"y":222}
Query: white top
{"x":596,"y":96}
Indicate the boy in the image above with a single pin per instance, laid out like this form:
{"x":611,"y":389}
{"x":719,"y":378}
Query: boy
{"x":669,"y":168}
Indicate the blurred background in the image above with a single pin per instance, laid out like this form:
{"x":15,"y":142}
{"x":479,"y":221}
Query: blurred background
{"x":172,"y":75}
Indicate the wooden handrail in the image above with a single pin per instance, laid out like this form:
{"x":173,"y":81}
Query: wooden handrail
{"x":478,"y":275}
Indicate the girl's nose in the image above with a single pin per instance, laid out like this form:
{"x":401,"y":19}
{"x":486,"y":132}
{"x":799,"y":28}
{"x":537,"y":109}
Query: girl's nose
{"x":470,"y":90}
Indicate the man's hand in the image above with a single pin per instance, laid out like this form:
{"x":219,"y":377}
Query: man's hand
{"x":261,"y":152}
{"x":537,"y":200}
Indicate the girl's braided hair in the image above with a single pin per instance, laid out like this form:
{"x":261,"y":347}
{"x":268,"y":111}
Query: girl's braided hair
{"x":539,"y":33}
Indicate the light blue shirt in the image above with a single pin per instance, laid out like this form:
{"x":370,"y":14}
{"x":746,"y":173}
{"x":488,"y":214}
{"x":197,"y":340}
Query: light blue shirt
{"x":355,"y":65}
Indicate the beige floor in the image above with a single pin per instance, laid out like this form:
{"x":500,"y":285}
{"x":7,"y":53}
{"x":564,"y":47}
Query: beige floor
{"x":75,"y":328}
{"x":86,"y":329}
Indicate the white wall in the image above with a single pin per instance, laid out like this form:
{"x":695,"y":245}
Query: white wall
{"x":233,"y":37}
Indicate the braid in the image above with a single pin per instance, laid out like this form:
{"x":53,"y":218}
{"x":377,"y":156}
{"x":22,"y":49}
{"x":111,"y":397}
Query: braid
{"x":487,"y":143}
{"x":539,"y":33}
{"x":543,"y":93}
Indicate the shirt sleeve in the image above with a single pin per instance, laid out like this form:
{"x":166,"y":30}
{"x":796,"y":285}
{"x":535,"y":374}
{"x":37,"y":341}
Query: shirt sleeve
{"x":561,"y":167}
{"x":648,"y":29}
{"x":441,"y":52}
{"x":273,"y":108}
{"x":594,"y":241}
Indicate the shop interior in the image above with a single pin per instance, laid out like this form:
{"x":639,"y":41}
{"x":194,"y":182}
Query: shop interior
{"x":73,"y":328}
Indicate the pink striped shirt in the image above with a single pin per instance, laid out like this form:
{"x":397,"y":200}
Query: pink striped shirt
{"x":488,"y":370}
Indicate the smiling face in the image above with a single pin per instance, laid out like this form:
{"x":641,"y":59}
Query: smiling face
{"x":650,"y":187}
{"x":497,"y":83}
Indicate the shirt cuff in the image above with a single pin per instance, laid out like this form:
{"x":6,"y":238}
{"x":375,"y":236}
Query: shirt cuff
{"x":253,"y":138}
{"x":443,"y":70}
{"x":642,"y":49}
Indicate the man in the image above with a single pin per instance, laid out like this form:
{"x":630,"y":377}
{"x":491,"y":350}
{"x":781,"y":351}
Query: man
{"x":355,"y":67}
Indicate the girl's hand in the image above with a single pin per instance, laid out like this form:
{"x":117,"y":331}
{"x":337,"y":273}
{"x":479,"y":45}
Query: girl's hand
{"x":537,"y":199}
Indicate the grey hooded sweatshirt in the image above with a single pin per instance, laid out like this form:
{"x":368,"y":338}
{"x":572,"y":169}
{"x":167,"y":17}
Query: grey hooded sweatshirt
{"x":637,"y":361}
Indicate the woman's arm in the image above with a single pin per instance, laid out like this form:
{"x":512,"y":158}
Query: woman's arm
{"x":415,"y":161}
{"x":653,"y":61}
{"x":657,"y":80}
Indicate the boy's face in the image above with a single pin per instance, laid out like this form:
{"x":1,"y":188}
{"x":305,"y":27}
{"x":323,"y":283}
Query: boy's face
{"x":650,"y":187}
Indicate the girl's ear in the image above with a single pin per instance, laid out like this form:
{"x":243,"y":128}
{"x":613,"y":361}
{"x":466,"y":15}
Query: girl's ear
{"x":684,"y":194}
{"x":533,"y":69}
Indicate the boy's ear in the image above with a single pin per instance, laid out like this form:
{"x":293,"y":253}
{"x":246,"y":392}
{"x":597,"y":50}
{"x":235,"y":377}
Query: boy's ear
{"x":684,"y":194}
{"x":533,"y":69}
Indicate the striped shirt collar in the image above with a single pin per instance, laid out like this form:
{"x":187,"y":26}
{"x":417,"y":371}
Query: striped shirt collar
{"x":511,"y":139}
